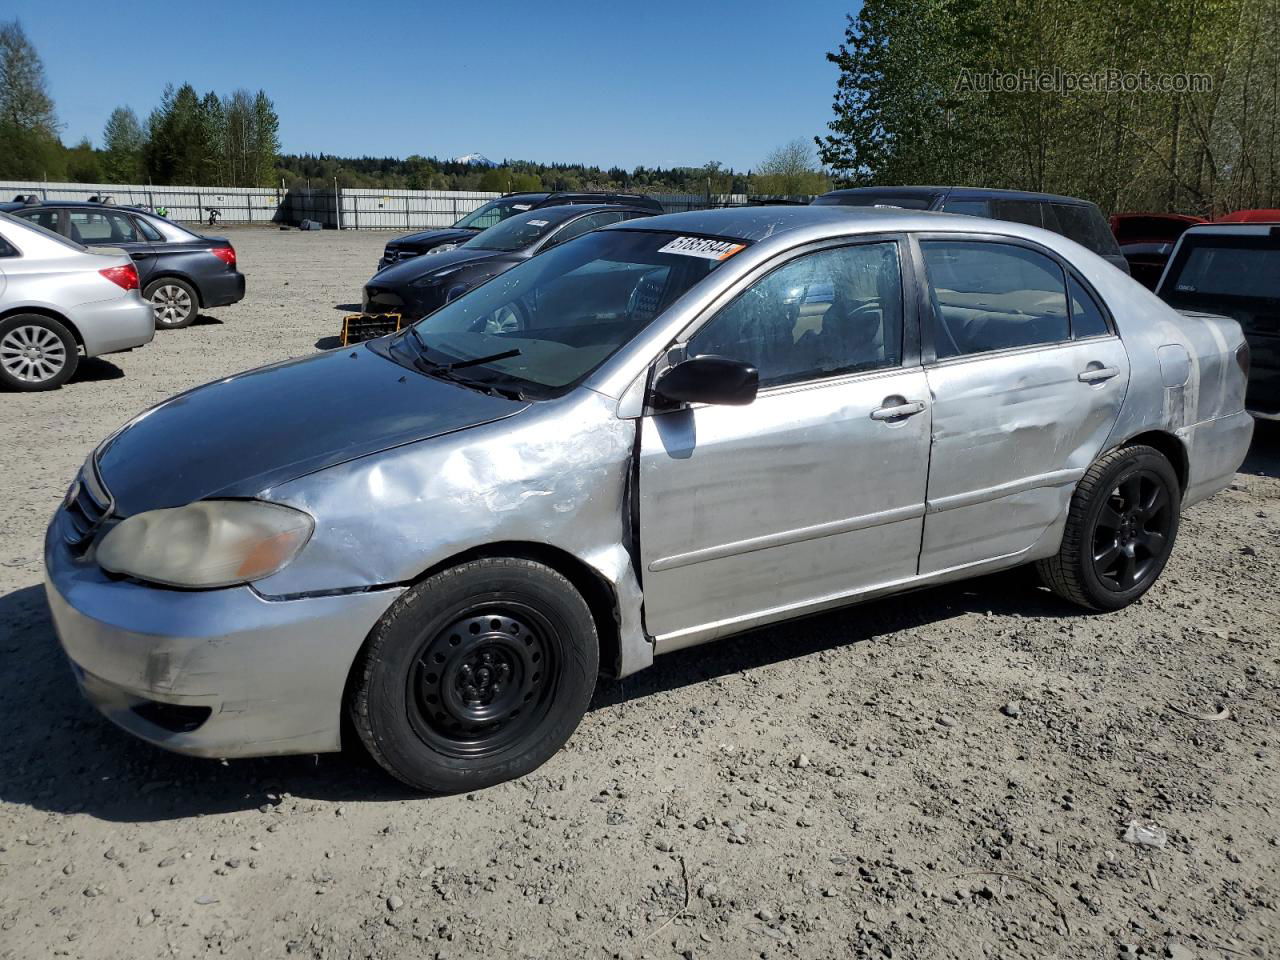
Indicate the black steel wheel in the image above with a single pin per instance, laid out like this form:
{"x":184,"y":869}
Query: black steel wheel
{"x":1120,"y":530}
{"x":476,"y":675}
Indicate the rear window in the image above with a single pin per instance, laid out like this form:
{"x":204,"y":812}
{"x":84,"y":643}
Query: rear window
{"x":878,"y":199}
{"x":1237,"y":269}
{"x":1083,"y":223}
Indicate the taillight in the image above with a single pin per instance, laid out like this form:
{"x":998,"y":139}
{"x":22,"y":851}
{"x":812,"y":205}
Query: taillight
{"x":1242,"y":358}
{"x":226,"y":254}
{"x":125,"y":277}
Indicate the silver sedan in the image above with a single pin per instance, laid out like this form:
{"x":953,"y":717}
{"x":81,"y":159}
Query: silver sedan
{"x":697,"y":424}
{"x":58,"y":298}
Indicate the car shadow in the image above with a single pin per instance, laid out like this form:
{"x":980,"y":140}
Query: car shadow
{"x":328,"y":343}
{"x":348,"y":307}
{"x":59,"y":755}
{"x":1264,"y":453}
{"x":204,"y":320}
{"x":95,"y":370}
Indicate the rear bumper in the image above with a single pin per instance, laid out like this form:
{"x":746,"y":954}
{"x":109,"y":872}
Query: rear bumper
{"x":1217,"y":448}
{"x":211,"y":673}
{"x":221,"y":289}
{"x":109,"y":326}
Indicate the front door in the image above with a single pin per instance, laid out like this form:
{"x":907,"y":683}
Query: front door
{"x":813,"y":492}
{"x":1026,"y":387}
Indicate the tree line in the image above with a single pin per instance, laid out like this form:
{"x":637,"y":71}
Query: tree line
{"x":993,"y":94}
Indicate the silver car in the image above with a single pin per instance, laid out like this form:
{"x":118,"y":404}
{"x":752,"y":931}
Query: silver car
{"x":702,"y":423}
{"x":57,"y":299}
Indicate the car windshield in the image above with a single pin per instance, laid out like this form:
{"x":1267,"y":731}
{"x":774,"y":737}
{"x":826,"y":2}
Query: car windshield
{"x":516,"y":233}
{"x":547,"y":323}
{"x":1226,"y":270}
{"x":495,"y":211}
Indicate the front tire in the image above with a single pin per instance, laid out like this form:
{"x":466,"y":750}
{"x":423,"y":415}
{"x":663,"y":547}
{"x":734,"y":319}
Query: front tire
{"x":175,"y":301}
{"x":1120,"y":530}
{"x":475,"y":676}
{"x":36,"y":353}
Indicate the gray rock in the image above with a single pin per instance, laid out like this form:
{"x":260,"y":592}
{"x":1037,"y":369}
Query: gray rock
{"x":394,"y":902}
{"x":1012,"y":709}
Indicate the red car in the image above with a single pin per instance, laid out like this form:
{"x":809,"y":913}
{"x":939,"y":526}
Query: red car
{"x":1251,"y":216}
{"x":1147,"y":239}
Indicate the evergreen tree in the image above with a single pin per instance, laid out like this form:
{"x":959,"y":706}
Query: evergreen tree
{"x":122,"y":143}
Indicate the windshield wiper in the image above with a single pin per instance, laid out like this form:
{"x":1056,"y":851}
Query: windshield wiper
{"x":459,"y":364}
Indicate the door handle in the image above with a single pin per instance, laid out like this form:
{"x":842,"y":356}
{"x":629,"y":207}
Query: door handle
{"x":898,"y":411}
{"x":1098,"y":374}
{"x":141,"y":254}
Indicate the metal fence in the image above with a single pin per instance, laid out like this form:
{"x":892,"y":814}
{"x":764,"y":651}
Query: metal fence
{"x":353,"y":209}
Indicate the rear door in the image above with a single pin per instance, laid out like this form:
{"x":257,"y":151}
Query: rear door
{"x":1027,"y":377}
{"x":815,"y":491}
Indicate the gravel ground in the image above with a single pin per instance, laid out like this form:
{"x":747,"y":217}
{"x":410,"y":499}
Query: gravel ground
{"x":949,"y":775}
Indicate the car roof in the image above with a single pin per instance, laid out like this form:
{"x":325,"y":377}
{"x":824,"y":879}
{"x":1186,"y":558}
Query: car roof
{"x":1251,"y":216}
{"x":760,"y":223}
{"x":1233,"y":230}
{"x":12,"y":205}
{"x":989,"y":193}
{"x":568,"y":211}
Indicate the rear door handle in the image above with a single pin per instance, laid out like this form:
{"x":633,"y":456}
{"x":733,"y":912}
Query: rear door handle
{"x":898,"y":411}
{"x":141,"y":254}
{"x":1098,"y":374}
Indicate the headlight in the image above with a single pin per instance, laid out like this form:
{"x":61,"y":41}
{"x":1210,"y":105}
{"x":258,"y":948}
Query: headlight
{"x":213,"y":543}
{"x":442,"y":248}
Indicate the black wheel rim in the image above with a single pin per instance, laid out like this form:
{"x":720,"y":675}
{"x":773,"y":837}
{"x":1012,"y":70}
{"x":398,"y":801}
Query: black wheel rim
{"x":485,"y":681}
{"x":1131,"y":534}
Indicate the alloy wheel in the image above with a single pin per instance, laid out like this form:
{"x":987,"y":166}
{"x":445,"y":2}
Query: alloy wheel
{"x":172,"y":304}
{"x":33,"y":354}
{"x":1131,"y":535}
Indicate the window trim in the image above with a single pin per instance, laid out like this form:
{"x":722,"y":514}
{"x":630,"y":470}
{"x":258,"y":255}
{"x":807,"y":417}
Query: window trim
{"x":928,"y":321}
{"x":911,"y":358}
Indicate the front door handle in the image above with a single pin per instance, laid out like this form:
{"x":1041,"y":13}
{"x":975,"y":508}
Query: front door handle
{"x":141,"y":254}
{"x":898,"y":411}
{"x":1098,"y":374}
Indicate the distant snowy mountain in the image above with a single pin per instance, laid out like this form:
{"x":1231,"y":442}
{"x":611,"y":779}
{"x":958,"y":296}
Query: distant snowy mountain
{"x":475,"y":160}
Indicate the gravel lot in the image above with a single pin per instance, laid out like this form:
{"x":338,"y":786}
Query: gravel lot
{"x":947,"y":775}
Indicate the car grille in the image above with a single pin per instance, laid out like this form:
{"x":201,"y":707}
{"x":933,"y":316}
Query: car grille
{"x":87,"y":508}
{"x":395,"y":256}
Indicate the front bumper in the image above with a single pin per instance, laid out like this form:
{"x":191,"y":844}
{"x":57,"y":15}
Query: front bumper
{"x":222,"y":289}
{"x":257,"y":677}
{"x":110,"y":326}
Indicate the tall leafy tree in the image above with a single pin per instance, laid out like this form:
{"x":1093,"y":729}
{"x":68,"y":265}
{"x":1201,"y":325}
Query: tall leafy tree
{"x":266,"y":140}
{"x":790,"y":170}
{"x":29,"y":145}
{"x":122,"y":145}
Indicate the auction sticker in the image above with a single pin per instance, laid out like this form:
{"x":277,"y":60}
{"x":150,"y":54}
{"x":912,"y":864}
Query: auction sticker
{"x":536,"y":223}
{"x":702,"y":247}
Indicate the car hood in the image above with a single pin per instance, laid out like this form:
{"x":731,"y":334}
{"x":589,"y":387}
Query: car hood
{"x":409,"y":270}
{"x":433,"y":238}
{"x":239,"y":436}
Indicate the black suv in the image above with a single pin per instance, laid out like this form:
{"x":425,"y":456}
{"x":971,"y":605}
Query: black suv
{"x":180,"y":272}
{"x":495,"y":211}
{"x":417,"y":287}
{"x":1075,"y":219}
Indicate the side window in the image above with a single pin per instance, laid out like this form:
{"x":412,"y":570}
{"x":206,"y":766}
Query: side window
{"x":41,"y":218}
{"x":586,"y":224}
{"x":1085,"y":224}
{"x":147,"y":230}
{"x":833,"y":311}
{"x":971,"y":208}
{"x":993,"y":296}
{"x":7,"y":249}
{"x":1087,"y":318}
{"x":101,"y":226}
{"x":1018,"y":211}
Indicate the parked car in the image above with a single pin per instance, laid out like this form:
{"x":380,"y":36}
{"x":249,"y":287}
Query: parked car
{"x":1147,"y":239}
{"x":495,"y":211}
{"x":671,"y":448}
{"x":416,"y":287}
{"x":1077,"y":219}
{"x":1234,"y":270}
{"x":58,"y":298}
{"x":1251,"y":216}
{"x":181,"y":272}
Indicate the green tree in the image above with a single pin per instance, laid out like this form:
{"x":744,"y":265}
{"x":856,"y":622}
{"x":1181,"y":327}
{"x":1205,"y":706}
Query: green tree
{"x":83,"y":163}
{"x":790,"y":170}
{"x":29,"y":145}
{"x":266,"y":141}
{"x":122,"y":142}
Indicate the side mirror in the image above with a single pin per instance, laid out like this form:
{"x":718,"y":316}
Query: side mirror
{"x":716,"y":380}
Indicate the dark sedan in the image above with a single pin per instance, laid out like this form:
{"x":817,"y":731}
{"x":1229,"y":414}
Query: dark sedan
{"x":180,"y":272}
{"x":495,"y":211}
{"x":419,"y":286}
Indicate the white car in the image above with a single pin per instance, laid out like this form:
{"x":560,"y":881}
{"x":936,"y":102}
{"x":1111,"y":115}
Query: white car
{"x":59,"y":299}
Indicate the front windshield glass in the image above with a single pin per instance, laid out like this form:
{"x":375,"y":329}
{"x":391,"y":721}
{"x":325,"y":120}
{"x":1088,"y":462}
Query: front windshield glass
{"x":561,"y":314}
{"x":515,"y":233}
{"x":495,"y":211}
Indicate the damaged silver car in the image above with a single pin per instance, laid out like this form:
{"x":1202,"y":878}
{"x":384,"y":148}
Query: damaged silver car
{"x":658,"y":434}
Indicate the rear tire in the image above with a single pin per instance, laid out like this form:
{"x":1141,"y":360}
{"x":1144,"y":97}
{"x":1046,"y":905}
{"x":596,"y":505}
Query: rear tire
{"x":175,"y":301}
{"x":477,"y":675}
{"x":1120,"y":530}
{"x":36,"y":353}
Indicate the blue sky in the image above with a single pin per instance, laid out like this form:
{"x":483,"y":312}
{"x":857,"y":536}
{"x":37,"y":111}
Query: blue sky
{"x":656,"y":83}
